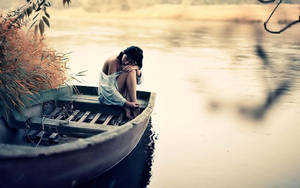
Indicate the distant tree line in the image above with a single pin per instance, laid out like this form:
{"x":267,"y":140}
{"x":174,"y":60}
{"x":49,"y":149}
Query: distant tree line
{"x":39,"y":8}
{"x":201,"y":2}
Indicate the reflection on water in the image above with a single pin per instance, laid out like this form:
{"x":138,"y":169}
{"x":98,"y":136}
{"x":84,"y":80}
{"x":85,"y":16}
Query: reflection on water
{"x":272,"y":95}
{"x":227,"y":108}
{"x":135,"y":170}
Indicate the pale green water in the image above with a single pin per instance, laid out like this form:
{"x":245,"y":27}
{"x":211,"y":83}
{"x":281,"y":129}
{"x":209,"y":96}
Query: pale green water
{"x":203,"y":73}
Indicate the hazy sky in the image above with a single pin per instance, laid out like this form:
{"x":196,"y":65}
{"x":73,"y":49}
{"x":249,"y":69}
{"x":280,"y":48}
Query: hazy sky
{"x":5,"y":4}
{"x":90,"y":5}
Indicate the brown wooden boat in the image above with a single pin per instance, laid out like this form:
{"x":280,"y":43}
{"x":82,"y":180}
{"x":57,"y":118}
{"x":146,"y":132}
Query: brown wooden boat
{"x":65,"y":136}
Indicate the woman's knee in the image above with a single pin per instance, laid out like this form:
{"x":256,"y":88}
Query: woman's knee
{"x":132,"y":74}
{"x":124,"y":75}
{"x":131,"y":78}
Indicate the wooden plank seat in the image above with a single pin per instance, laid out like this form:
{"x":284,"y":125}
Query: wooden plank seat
{"x":102,"y":117}
{"x":107,"y":119}
{"x":68,"y":127}
{"x":71,"y":126}
{"x":88,"y":117}
{"x":95,"y":118}
{"x":93,"y":99}
{"x":72,"y":115}
{"x":85,"y":115}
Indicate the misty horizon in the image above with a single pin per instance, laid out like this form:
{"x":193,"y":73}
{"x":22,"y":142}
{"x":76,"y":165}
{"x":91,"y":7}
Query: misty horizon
{"x":126,"y":5}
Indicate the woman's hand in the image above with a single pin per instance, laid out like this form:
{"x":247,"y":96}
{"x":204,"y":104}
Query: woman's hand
{"x":129,"y":68}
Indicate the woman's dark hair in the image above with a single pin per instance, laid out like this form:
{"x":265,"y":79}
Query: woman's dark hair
{"x":135,"y":53}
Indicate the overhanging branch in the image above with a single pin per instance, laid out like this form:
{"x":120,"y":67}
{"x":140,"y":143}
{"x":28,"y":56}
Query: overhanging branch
{"x":266,"y":22}
{"x":282,"y":29}
{"x":266,"y":1}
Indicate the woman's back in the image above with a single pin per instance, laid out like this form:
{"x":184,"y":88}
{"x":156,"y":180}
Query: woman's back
{"x":111,"y":66}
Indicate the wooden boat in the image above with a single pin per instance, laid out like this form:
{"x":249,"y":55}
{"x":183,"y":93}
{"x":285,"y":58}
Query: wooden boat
{"x":65,"y":136}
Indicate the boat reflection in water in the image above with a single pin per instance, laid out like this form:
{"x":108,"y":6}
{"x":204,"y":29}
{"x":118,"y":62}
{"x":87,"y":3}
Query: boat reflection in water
{"x":134,"y":171}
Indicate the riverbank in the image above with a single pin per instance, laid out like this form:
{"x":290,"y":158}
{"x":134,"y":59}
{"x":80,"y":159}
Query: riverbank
{"x":237,"y":13}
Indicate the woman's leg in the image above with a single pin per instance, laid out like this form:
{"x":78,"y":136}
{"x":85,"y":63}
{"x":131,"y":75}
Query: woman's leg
{"x":131,"y":86}
{"x":127,"y":87}
{"x":122,"y":82}
{"x":131,"y":90}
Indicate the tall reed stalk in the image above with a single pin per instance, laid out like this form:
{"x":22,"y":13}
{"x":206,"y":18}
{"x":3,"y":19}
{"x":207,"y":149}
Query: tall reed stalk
{"x":27,"y":65}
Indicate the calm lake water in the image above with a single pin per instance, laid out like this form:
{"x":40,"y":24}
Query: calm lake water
{"x":227,"y":108}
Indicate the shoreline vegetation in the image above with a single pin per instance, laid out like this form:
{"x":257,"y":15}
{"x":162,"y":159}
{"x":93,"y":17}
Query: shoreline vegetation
{"x":245,"y":13}
{"x":27,"y":65}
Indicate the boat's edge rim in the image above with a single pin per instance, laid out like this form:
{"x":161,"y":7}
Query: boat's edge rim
{"x":28,"y":152}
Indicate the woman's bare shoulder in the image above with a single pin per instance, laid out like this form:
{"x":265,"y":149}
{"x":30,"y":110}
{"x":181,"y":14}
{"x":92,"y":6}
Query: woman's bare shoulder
{"x":111,"y":64}
{"x":112,"y":59}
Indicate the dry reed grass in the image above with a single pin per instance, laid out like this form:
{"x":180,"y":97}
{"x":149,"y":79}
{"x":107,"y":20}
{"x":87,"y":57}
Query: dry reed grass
{"x":27,"y":65}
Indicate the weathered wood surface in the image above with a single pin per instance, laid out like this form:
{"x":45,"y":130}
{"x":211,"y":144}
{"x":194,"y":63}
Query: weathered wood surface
{"x":107,"y":119}
{"x":66,"y":127}
{"x":101,"y":117}
{"x":94,"y":99}
{"x":95,"y":118}
{"x":84,"y":116}
{"x":73,"y":115}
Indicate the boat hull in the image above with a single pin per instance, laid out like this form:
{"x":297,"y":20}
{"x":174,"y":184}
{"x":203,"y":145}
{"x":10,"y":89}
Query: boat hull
{"x":69,"y":168}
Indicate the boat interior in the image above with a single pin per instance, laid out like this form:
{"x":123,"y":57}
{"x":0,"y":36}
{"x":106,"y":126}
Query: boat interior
{"x":64,"y":116}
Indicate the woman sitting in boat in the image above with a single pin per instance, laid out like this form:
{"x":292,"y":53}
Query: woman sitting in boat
{"x":118,"y":79}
